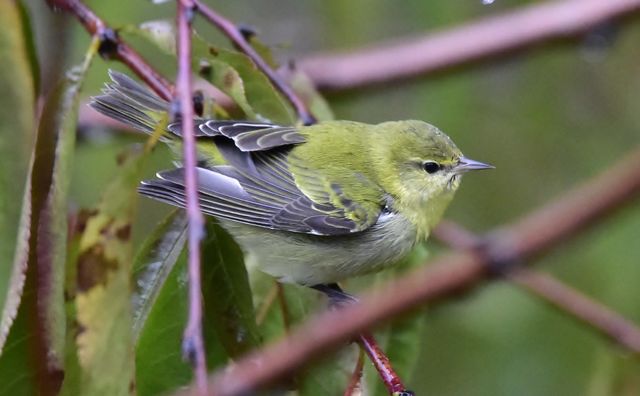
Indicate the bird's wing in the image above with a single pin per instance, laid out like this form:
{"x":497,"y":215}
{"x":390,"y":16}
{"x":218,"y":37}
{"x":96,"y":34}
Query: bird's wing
{"x":258,"y":188}
{"x":247,"y":136}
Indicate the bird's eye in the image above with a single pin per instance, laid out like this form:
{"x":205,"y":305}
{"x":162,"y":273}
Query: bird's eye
{"x":431,"y":167}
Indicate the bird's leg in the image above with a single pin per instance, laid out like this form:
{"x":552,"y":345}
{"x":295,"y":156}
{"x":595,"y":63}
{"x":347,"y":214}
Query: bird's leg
{"x":339,"y":298}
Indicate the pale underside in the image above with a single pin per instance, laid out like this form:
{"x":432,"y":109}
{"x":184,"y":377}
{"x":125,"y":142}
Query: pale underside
{"x":311,"y":259}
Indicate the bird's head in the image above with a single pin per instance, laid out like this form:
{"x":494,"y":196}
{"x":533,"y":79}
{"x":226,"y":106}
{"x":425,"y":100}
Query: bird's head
{"x":420,"y":167}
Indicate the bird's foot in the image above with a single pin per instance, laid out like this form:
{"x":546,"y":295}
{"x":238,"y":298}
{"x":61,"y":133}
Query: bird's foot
{"x":338,"y":298}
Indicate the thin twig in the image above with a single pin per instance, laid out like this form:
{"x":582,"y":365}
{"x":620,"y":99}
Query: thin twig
{"x":455,"y":236}
{"x":597,"y":316}
{"x":381,"y":362}
{"x":355,"y":382}
{"x":238,"y":39}
{"x":193,"y":344}
{"x":476,"y":41}
{"x":266,"y":305}
{"x":444,"y":277}
{"x":112,"y":47}
{"x":284,"y":307}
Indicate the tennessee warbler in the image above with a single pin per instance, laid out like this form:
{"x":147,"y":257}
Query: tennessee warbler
{"x":311,"y":205}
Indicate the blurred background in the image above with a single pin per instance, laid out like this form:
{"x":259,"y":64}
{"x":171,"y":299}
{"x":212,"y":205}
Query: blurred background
{"x":547,"y":118}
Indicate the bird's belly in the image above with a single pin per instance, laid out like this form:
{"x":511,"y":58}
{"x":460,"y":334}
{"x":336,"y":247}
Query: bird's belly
{"x":311,"y":259}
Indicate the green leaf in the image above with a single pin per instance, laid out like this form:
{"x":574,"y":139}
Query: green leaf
{"x":613,"y":374}
{"x":264,"y":51}
{"x":159,"y":364}
{"x":232,"y":72}
{"x":160,"y":307}
{"x":103,"y":300}
{"x":291,"y":306}
{"x":228,"y":299}
{"x":16,"y":138}
{"x":30,"y":43}
{"x":331,"y":374}
{"x":16,"y":374}
{"x":235,"y":73}
{"x":162,"y":33}
{"x":161,"y":317}
{"x":104,"y":290}
{"x":153,"y":264}
{"x":304,"y":88}
{"x":228,"y":80}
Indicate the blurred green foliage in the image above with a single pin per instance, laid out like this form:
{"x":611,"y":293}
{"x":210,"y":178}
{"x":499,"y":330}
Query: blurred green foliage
{"x":547,"y":119}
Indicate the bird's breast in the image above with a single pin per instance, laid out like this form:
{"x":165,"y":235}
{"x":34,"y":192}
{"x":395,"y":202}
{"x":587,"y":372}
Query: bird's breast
{"x":312,"y":259}
{"x":390,"y":239}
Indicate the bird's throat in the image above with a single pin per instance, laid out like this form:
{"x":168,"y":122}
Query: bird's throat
{"x":425,"y":214}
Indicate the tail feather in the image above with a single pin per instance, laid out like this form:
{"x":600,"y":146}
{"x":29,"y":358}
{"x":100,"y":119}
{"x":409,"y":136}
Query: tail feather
{"x":131,"y":103}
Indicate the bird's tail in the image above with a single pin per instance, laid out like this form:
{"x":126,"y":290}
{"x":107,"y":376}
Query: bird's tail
{"x":131,"y":103}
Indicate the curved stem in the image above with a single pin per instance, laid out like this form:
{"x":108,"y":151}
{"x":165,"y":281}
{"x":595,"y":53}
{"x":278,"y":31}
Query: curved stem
{"x":234,"y":34}
{"x":112,"y":47}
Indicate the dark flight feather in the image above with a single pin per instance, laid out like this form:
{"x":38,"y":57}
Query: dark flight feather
{"x":247,"y":136}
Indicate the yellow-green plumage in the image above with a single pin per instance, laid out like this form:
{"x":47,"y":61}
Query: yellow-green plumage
{"x":310,"y":205}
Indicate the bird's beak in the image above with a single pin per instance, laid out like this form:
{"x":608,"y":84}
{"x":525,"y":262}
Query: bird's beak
{"x":466,"y":164}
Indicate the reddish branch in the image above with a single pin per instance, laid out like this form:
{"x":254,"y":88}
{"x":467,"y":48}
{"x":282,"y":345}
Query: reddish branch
{"x":443,"y":277}
{"x":239,"y":40}
{"x":112,"y":47}
{"x":354,"y":386}
{"x":485,"y":39}
{"x":381,"y":363}
{"x":193,"y":344}
{"x":595,"y":315}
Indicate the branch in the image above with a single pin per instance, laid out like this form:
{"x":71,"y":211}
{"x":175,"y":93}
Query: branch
{"x":445,"y":276}
{"x":354,"y":387}
{"x":598,"y":316}
{"x":595,"y":315}
{"x":182,"y":107}
{"x":472,"y":42}
{"x":238,"y":39}
{"x":112,"y":47}
{"x":381,"y":363}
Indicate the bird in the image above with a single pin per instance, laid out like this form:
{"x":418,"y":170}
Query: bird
{"x":311,"y":205}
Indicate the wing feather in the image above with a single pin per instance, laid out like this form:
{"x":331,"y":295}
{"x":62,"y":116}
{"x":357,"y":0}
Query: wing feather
{"x":247,"y":136}
{"x":258,"y":187}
